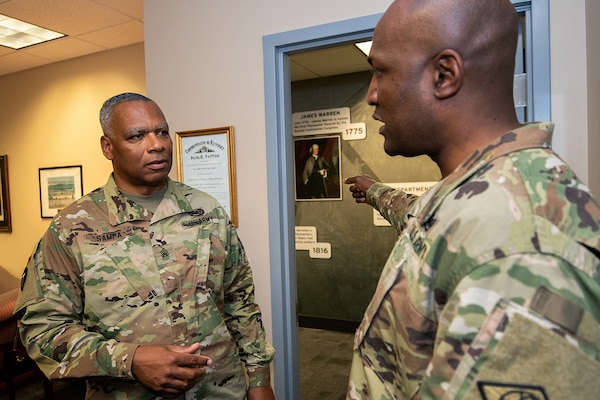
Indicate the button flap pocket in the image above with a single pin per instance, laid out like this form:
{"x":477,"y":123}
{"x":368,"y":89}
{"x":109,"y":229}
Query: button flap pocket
{"x":518,"y":353}
{"x":131,"y":272}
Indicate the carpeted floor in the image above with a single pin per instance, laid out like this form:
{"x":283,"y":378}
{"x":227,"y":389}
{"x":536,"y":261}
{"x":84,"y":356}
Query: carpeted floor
{"x":325,"y":358}
{"x":324,"y":368}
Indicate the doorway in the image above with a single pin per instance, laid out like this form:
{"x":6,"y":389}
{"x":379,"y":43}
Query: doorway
{"x":277,"y":50}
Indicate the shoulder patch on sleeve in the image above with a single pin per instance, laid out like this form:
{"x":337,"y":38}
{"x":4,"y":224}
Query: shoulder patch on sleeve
{"x":503,"y":391}
{"x":31,"y":290}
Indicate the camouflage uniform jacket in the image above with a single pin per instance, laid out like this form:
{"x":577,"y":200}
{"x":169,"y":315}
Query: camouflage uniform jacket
{"x":109,"y":276}
{"x":493,"y":287}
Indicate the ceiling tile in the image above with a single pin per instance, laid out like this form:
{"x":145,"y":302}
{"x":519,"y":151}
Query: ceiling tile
{"x":5,"y":50}
{"x":19,"y":61}
{"x":300,"y":73}
{"x":339,"y":60}
{"x":134,"y":9}
{"x":63,"y":49}
{"x":71,"y":17}
{"x":117,"y":36}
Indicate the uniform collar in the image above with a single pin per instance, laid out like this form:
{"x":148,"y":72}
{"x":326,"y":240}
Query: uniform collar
{"x":534,"y":135}
{"x":121,"y":209}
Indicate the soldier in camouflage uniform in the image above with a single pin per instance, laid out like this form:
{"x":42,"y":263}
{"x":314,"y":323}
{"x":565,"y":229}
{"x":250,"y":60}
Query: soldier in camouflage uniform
{"x":492,"y":290}
{"x":142,"y":287}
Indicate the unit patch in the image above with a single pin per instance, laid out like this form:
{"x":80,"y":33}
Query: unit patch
{"x":504,"y":391}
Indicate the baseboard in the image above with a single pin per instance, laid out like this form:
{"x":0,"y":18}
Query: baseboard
{"x":329,"y":324}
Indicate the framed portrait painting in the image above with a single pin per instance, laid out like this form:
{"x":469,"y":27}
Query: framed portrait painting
{"x":59,"y":187}
{"x":317,"y":168}
{"x":5,"y":223}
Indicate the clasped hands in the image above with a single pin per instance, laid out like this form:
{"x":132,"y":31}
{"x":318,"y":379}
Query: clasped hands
{"x":169,"y":368}
{"x":175,"y":369}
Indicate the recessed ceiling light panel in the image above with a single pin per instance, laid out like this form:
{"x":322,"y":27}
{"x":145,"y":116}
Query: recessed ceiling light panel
{"x":365,"y":47}
{"x":17,"y":34}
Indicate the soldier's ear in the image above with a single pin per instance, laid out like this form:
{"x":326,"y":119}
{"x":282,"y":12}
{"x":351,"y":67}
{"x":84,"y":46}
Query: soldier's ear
{"x":106,"y":145}
{"x":448,"y":73}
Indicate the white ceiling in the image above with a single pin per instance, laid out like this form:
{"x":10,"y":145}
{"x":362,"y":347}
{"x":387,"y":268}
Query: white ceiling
{"x":93,"y":26}
{"x":343,"y":59}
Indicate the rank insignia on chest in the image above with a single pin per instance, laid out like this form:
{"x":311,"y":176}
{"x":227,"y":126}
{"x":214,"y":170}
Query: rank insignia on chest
{"x":163,"y":256}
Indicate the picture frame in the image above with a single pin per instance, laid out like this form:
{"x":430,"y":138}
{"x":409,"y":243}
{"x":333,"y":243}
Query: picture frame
{"x":206,"y":161}
{"x":59,"y":187}
{"x":326,"y":184}
{"x":5,"y":220}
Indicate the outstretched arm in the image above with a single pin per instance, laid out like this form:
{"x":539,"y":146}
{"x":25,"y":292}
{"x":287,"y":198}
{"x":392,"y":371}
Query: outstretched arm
{"x":392,"y":204}
{"x":360,"y":185}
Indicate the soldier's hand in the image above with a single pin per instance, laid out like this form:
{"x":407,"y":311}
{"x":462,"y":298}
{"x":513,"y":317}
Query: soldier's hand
{"x":168,"y":368}
{"x":360,"y":186}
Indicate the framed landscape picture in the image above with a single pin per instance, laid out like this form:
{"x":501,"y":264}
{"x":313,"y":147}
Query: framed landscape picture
{"x":59,"y":187}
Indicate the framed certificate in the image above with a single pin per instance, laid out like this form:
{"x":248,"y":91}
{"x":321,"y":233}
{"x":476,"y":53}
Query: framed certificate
{"x":206,"y":161}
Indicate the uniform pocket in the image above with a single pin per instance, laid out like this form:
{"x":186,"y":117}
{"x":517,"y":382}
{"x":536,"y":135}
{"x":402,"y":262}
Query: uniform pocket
{"x":519,"y":354}
{"x":115,"y":289}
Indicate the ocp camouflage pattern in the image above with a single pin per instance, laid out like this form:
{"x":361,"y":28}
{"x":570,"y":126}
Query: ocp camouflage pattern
{"x":109,"y":276}
{"x":493,"y":287}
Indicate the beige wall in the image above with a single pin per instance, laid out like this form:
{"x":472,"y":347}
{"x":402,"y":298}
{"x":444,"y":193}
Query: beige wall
{"x":575,"y":86}
{"x":50,"y":118}
{"x":593,"y":66}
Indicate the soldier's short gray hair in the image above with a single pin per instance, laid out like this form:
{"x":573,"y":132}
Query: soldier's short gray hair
{"x":109,"y":105}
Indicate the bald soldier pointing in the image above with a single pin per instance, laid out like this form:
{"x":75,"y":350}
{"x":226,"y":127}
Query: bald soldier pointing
{"x":493,"y":287}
